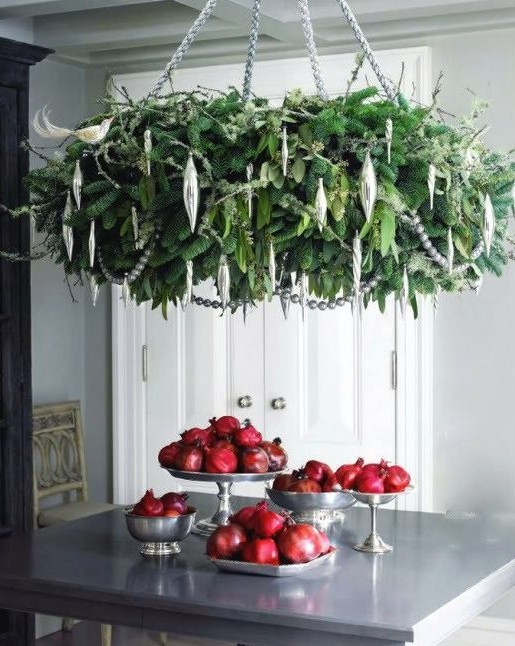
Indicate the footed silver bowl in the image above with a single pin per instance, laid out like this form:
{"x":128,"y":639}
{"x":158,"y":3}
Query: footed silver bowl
{"x":314,"y":508}
{"x":160,"y":535}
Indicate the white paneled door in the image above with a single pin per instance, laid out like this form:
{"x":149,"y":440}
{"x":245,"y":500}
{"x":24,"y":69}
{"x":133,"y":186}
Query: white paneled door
{"x":324,"y":382}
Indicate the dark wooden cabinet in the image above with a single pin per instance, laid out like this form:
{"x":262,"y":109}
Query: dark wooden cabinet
{"x":16,"y":58}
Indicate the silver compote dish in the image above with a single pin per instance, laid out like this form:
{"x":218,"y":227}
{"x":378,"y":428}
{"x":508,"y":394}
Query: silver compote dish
{"x":314,"y":508}
{"x":160,"y":535}
{"x":374,"y":544}
{"x":224,"y":481}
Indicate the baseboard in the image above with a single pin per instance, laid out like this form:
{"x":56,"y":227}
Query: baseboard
{"x":484,"y":631}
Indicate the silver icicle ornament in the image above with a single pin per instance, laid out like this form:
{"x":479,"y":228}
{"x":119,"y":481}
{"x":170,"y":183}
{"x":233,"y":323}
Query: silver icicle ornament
{"x":135,"y":227}
{"x":147,"y":143}
{"x":284,"y":151}
{"x":224,"y":281}
{"x":389,"y":138}
{"x":67,"y":229}
{"x":77,"y":184}
{"x":126,"y":290}
{"x":450,"y":251}
{"x":488,"y":224}
{"x":431,"y":184}
{"x":293,"y":278}
{"x":94,"y":289}
{"x":92,"y":243}
{"x":285,"y":305}
{"x":478,"y":285}
{"x":357,"y":261}
{"x":368,"y":187}
{"x":191,"y":191}
{"x":404,"y":295}
{"x":272,"y":267}
{"x":303,"y":292}
{"x":250,"y":173}
{"x":188,"y":291}
{"x":436,"y":300}
{"x":321,"y":205}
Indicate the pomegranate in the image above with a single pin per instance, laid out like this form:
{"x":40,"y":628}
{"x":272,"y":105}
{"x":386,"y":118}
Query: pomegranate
{"x":168,"y":454}
{"x":149,"y":505}
{"x":369,"y":482}
{"x":247,"y":436}
{"x":198,"y":436}
{"x":277,"y":456}
{"x":284,"y":481}
{"x":299,"y":543}
{"x":245,"y":516}
{"x":220,"y":460}
{"x":305,"y":485}
{"x":253,"y":460}
{"x":324,"y":542}
{"x":224,"y":443}
{"x":190,"y":458}
{"x":171,"y":513}
{"x":267,"y":523}
{"x":226,"y":542}
{"x":315,"y":470}
{"x":176,"y":501}
{"x":225,"y":425}
{"x":376,"y":469}
{"x":347,"y":473}
{"x":396,"y":479}
{"x":261,"y":550}
{"x":329,"y":482}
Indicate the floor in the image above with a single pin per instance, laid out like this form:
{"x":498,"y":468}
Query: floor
{"x":88,"y":634}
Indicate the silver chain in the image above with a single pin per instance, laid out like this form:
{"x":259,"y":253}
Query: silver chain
{"x":307,"y":27}
{"x":251,"y":51}
{"x":184,"y":46}
{"x":360,"y":37}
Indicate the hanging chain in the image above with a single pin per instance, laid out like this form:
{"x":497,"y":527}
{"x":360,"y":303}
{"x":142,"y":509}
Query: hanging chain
{"x":184,"y":46}
{"x":391,"y":93}
{"x":307,"y":27}
{"x":251,"y":52}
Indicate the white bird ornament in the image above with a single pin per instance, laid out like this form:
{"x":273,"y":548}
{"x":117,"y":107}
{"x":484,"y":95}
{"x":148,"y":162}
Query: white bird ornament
{"x":90,"y":135}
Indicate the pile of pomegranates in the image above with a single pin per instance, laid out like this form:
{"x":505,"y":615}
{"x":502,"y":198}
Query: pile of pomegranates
{"x":318,"y":477}
{"x":170,"y":505}
{"x":225,"y":446}
{"x":260,"y":535}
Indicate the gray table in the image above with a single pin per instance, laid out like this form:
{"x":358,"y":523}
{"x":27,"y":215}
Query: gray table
{"x":443,"y":572}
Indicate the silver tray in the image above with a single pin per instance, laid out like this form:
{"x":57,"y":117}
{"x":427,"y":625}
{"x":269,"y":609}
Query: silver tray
{"x":201,"y":476}
{"x":240,"y":567}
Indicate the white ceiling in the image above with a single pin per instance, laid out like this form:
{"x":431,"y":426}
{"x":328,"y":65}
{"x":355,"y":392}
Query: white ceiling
{"x":135,"y":34}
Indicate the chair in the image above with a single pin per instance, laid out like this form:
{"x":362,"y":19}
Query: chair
{"x":60,"y":470}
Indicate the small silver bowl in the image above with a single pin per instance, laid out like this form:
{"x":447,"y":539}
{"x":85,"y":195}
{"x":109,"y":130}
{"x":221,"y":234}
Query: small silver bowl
{"x":314,"y":508}
{"x":160,"y":535}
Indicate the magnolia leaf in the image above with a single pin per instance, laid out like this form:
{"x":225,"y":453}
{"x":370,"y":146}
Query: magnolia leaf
{"x":264,"y":209}
{"x":395,"y":251}
{"x":228,"y":224}
{"x":263,"y":142}
{"x":241,"y":252}
{"x":381,"y":301}
{"x":264,"y":171}
{"x":126,"y":226}
{"x":387,"y":218}
{"x":298,"y":170}
{"x":147,"y":191}
{"x":337,"y":209}
{"x":273,"y":143}
{"x":464,"y":245}
{"x":306,"y":135}
{"x":146,"y":287}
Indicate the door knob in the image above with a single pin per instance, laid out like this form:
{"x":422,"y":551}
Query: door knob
{"x":245,"y":401}
{"x":278,"y":403}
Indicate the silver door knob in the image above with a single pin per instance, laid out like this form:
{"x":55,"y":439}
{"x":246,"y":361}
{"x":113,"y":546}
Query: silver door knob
{"x":245,"y":401}
{"x":278,"y":403}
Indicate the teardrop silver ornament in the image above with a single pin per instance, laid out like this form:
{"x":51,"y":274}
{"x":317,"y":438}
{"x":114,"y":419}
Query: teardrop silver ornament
{"x":94,"y":289}
{"x":67,"y":229}
{"x":436,"y":300}
{"x":188,"y":291}
{"x":450,"y":251}
{"x":285,"y":305}
{"x":126,"y":290}
{"x":135,"y":227}
{"x":321,"y":205}
{"x":250,"y":172}
{"x":147,"y":142}
{"x":389,"y":138}
{"x":191,"y":191}
{"x":303,"y":292}
{"x":272,"y":267}
{"x":245,"y":309}
{"x":284,"y":152}
{"x":431,"y":183}
{"x":488,"y":224}
{"x":404,"y":295}
{"x":368,"y":187}
{"x":92,"y":243}
{"x":77,"y":184}
{"x":223,"y":281}
{"x":357,"y":261}
{"x":293,"y":278}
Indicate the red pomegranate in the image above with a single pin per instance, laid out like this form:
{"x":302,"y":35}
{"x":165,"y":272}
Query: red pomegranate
{"x":299,"y":543}
{"x":224,"y":443}
{"x":268,"y":523}
{"x":190,"y":458}
{"x":316,"y":470}
{"x":261,"y":550}
{"x":247,"y":437}
{"x":168,"y":454}
{"x":284,"y":481}
{"x":225,"y":425}
{"x":396,"y":479}
{"x":305,"y":485}
{"x":325,"y":543}
{"x":149,"y":505}
{"x":369,"y":482}
{"x":226,"y":542}
{"x":245,"y":516}
{"x":347,"y":473}
{"x":220,"y":460}
{"x":277,"y":456}
{"x":329,"y":482}
{"x":253,"y":460}
{"x":198,"y":436}
{"x":177,"y":501}
{"x":376,"y":469}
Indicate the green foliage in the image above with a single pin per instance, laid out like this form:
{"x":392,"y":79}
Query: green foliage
{"x":326,"y":139}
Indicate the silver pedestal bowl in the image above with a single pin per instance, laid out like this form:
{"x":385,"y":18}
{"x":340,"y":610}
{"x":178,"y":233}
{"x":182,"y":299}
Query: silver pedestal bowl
{"x":319,"y":509}
{"x":160,"y":535}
